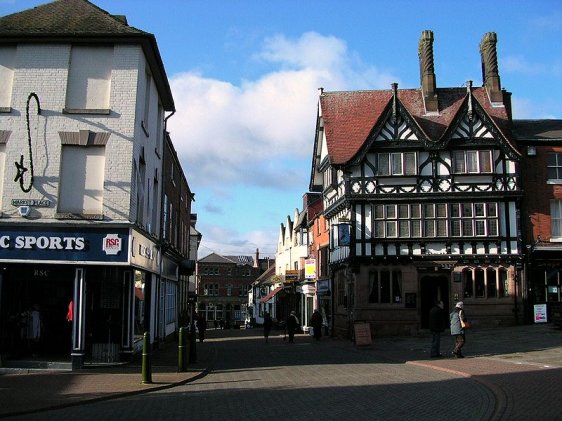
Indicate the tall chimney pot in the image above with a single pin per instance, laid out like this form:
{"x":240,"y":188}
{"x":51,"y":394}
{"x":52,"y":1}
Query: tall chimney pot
{"x":490,"y":73}
{"x":427,"y":71}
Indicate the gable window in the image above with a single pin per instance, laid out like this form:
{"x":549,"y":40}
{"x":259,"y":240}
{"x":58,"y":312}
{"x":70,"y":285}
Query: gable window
{"x":556,"y":219}
{"x":472,"y":162}
{"x":397,"y":163}
{"x":89,"y":79}
{"x":554,"y":166}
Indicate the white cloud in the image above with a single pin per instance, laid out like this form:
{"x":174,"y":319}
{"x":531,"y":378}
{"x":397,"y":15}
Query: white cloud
{"x":227,"y":134}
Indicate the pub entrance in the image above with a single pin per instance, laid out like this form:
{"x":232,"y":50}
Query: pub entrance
{"x":433,"y":287}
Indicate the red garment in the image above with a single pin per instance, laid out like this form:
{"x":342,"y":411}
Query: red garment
{"x":70,"y":314}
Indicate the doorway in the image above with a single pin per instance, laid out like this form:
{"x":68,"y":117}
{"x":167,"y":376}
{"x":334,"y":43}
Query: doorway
{"x":433,"y":287}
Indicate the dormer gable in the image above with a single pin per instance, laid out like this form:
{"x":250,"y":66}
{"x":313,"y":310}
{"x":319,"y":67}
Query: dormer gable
{"x":472,"y":124}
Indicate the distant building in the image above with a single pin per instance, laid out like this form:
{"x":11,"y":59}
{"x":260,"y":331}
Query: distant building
{"x":223,"y":286}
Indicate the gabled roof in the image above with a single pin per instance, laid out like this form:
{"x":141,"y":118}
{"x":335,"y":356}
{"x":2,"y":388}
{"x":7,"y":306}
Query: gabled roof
{"x":350,"y":117}
{"x":264,"y":277}
{"x":81,"y":22}
{"x":217,"y":258}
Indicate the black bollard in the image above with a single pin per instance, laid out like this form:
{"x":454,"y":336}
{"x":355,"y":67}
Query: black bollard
{"x":182,"y":351}
{"x":146,"y":363}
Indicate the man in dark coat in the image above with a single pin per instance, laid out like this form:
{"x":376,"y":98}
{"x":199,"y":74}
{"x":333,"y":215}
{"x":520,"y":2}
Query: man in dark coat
{"x":436,"y":326}
{"x":291,"y":326}
{"x":316,"y":323}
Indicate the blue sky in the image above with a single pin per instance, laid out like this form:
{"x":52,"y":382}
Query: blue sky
{"x":245,"y":77}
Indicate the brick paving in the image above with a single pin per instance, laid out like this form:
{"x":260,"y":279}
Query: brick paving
{"x":508,"y":373}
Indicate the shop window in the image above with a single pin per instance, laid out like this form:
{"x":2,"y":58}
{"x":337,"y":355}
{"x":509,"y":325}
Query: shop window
{"x":553,"y":285}
{"x":491,"y":283}
{"x":468,"y":283}
{"x":385,"y":286}
{"x":479,"y":282}
{"x":503,"y":283}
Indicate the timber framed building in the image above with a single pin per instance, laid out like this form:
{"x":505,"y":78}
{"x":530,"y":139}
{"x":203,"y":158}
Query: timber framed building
{"x":422,"y":194}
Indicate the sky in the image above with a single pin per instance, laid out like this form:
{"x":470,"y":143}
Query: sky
{"x":245,"y":76}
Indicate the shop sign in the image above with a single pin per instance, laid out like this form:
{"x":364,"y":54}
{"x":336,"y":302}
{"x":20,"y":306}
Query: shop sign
{"x":61,"y":244}
{"x":31,"y":202}
{"x":143,"y":252}
{"x":291,"y":275}
{"x":112,"y":244}
{"x":323,"y":286}
{"x":310,"y":269}
{"x":540,"y":313}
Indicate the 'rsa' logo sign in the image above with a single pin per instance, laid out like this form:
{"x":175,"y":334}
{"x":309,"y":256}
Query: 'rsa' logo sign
{"x":112,"y":244}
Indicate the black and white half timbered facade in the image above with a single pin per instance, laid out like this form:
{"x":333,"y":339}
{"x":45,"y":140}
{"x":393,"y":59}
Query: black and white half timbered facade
{"x":421,"y":191}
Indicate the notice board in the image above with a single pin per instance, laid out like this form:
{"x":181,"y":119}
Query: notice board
{"x":362,"y":332}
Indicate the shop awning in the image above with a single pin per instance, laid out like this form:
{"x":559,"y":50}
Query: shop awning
{"x":271,"y":295}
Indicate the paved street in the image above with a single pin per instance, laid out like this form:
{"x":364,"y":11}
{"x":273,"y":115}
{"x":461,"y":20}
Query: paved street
{"x":394,"y":379}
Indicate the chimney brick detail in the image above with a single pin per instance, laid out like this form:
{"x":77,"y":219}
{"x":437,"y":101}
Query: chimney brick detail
{"x":427,"y":71}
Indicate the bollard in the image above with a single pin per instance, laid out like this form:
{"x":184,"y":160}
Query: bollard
{"x":182,"y":351}
{"x":146,"y":368}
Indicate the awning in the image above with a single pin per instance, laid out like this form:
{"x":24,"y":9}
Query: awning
{"x":271,"y":295}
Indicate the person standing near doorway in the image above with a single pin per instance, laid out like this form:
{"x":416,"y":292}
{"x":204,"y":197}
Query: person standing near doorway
{"x":436,"y":326}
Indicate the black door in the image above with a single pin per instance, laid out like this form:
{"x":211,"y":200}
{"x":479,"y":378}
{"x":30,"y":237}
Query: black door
{"x":433,"y":287}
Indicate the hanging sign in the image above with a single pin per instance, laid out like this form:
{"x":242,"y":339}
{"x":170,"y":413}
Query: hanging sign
{"x":310,"y":269}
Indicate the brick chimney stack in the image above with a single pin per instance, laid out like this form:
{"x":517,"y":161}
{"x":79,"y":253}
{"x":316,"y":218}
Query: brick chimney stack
{"x":256,"y":262}
{"x":427,"y":72}
{"x":490,"y":73}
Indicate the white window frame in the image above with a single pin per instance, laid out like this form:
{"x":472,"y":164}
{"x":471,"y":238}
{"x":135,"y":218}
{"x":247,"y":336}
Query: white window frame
{"x":397,"y":164}
{"x":472,"y":162}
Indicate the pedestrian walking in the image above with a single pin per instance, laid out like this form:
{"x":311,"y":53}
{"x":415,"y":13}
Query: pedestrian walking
{"x":436,"y":326}
{"x":267,"y":324}
{"x":459,"y":324}
{"x":201,"y":327}
{"x":291,"y":326}
{"x":316,"y":323}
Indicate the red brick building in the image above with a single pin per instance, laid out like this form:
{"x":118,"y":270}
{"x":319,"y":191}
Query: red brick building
{"x":223,"y":285}
{"x":541,"y":211}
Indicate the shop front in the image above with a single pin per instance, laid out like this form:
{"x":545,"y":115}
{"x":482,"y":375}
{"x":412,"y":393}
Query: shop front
{"x":73,"y":293}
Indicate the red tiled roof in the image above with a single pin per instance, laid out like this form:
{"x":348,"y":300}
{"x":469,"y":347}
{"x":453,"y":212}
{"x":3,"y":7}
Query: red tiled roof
{"x":349,"y":117}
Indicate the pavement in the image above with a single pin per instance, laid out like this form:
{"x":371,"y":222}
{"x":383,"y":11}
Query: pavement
{"x":520,"y":365}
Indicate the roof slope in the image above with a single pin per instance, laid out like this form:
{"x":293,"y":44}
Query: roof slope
{"x":79,"y":21}
{"x":529,"y":130}
{"x":349,"y":117}
{"x":65,"y":17}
